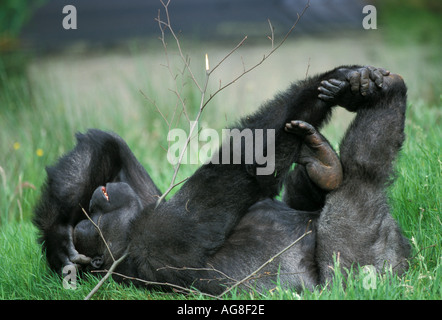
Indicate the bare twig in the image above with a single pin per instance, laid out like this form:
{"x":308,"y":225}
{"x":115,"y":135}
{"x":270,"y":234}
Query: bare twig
{"x":99,"y":232}
{"x":413,"y":257}
{"x":224,"y":275}
{"x":308,"y":68}
{"x":229,"y":54}
{"x":203,"y":87}
{"x":111,"y":271}
{"x":114,"y":264}
{"x":167,"y":284}
{"x":168,"y":25}
{"x":156,"y":106}
{"x":265,"y":57}
{"x":272,"y":30}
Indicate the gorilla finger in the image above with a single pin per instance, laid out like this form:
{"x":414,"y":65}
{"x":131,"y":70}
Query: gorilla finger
{"x":374,"y":73}
{"x":338,"y":83}
{"x":383,"y":71}
{"x":325,"y":97}
{"x":332,"y":85}
{"x":328,"y":92}
{"x":299,"y":127}
{"x":80,"y":259}
{"x":354,"y":78}
{"x":365,"y":81}
{"x":377,"y":77}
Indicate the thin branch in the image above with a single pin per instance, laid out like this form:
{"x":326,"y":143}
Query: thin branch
{"x":413,"y":257}
{"x":168,"y":66}
{"x":229,"y":54}
{"x":156,"y":107}
{"x":272,"y":37}
{"x":180,"y":160}
{"x":265,"y":57}
{"x":111,"y":271}
{"x":203,"y":89}
{"x":154,"y":283}
{"x":224,"y":275}
{"x":253,"y":274}
{"x":308,"y":68}
{"x":99,"y":232}
{"x":183,"y":58}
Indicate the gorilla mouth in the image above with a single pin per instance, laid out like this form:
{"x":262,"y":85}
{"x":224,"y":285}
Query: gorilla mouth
{"x":103,"y":190}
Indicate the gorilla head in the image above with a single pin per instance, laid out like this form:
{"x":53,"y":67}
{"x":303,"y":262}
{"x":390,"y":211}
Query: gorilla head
{"x":112,"y":208}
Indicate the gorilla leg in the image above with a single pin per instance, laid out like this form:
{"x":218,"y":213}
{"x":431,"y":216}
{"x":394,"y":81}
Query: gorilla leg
{"x":97,"y":158}
{"x":356,"y":222}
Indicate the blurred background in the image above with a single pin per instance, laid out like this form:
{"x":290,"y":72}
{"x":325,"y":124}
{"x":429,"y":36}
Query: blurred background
{"x":330,"y":31}
{"x":108,"y":22}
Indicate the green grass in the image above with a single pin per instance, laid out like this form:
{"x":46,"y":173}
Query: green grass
{"x":41,"y":109}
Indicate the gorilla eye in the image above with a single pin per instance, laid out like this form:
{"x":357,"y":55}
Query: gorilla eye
{"x":103,"y":189}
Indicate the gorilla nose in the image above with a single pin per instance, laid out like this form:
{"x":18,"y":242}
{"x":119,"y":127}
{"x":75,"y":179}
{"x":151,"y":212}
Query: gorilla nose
{"x":97,"y":262}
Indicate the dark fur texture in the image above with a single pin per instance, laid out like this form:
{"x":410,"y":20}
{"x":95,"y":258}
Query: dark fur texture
{"x":224,"y":219}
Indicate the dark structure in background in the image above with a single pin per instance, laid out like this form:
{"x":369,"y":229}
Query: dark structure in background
{"x":108,"y":22}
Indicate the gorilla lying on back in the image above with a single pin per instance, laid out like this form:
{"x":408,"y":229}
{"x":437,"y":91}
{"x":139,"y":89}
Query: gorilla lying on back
{"x":225,"y":218}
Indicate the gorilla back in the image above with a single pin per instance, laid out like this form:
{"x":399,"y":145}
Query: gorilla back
{"x":224,"y":223}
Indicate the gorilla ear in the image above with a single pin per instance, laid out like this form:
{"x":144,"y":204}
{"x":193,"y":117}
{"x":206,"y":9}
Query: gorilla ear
{"x":97,"y":262}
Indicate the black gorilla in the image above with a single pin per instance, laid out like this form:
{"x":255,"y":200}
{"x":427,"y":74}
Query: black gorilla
{"x":224,"y":220}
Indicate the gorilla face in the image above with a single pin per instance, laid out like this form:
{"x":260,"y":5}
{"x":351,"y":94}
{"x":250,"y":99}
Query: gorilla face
{"x":112,"y":208}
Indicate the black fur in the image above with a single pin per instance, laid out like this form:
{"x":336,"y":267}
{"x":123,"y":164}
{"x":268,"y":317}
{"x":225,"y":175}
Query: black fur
{"x":224,"y":219}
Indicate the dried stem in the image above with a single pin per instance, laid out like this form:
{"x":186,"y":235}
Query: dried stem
{"x":229,"y":54}
{"x":265,"y":57}
{"x":167,"y":284}
{"x":109,"y":272}
{"x":99,"y":232}
{"x":168,"y":25}
{"x":203,"y":88}
{"x":272,"y":30}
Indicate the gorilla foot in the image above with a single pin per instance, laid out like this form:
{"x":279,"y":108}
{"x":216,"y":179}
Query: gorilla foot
{"x":353,"y":86}
{"x":365,"y":79}
{"x":322,"y":163}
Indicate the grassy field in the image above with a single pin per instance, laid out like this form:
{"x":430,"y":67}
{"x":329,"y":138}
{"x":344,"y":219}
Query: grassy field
{"x":58,"y":95}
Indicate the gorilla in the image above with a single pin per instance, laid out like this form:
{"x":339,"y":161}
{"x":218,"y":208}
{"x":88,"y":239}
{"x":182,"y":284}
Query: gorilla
{"x":224,"y":222}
